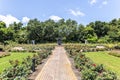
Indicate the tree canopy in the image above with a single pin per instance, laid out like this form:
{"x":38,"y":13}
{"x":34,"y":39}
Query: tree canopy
{"x":69,"y":30}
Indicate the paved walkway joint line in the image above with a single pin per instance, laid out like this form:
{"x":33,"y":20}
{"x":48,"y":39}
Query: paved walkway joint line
{"x":58,"y":67}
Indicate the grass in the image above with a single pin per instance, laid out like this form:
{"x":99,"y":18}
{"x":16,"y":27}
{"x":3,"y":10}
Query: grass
{"x":110,"y":62}
{"x":4,"y":62}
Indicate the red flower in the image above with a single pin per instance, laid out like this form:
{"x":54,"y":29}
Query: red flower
{"x":94,"y":65}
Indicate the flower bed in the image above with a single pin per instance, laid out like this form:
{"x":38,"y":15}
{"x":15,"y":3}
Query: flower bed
{"x":21,"y":70}
{"x":88,"y":69}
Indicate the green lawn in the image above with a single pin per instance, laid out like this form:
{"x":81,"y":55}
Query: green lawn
{"x":4,"y":62}
{"x":110,"y":62}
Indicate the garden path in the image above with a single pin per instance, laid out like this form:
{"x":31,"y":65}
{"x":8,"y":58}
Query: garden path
{"x":58,"y":67}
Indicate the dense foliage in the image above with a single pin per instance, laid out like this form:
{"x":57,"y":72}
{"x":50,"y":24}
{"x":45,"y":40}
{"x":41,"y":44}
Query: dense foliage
{"x":69,"y":30}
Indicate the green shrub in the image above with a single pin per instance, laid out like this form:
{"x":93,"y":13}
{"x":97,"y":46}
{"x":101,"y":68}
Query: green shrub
{"x":99,"y":68}
{"x":117,"y":46}
{"x":88,"y":74}
{"x":108,"y":75}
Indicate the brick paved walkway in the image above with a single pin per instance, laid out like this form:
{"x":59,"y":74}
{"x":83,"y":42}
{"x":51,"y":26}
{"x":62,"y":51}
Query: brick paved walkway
{"x":58,"y":67}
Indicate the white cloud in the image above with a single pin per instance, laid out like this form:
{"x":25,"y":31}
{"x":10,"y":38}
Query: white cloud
{"x":105,"y":2}
{"x":8,"y":19}
{"x":76,"y":13}
{"x":25,"y":20}
{"x":55,"y":18}
{"x":93,"y":2}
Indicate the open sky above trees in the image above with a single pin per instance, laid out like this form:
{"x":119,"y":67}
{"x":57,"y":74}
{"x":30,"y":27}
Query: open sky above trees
{"x":83,"y":11}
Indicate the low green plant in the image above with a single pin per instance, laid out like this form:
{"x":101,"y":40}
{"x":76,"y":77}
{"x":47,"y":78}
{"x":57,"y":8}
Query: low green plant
{"x":16,"y":70}
{"x":88,"y":74}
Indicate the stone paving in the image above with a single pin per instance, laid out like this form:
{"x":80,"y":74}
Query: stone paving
{"x":58,"y":67}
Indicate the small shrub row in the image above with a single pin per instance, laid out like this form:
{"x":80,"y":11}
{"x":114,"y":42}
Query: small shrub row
{"x":114,"y":54}
{"x":86,"y":48}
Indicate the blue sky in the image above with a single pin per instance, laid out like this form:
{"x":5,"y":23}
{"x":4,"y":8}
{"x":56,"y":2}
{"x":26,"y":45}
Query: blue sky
{"x":83,"y":11}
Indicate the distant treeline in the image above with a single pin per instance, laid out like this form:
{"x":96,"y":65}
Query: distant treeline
{"x":69,"y":30}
